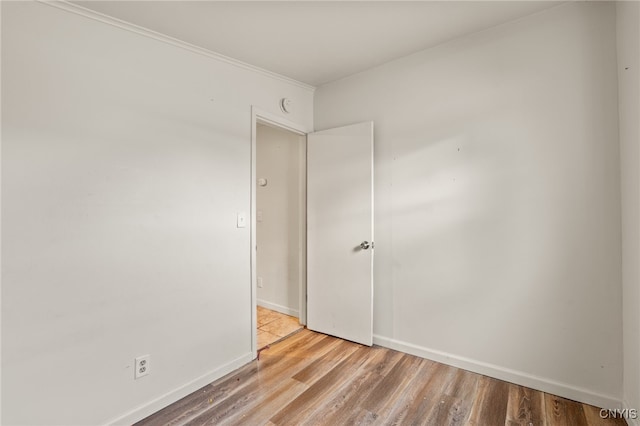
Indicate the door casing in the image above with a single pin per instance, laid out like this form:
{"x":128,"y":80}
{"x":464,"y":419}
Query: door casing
{"x":260,"y":116}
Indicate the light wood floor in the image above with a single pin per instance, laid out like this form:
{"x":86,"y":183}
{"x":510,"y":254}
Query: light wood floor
{"x":274,"y":326}
{"x":313,"y":379}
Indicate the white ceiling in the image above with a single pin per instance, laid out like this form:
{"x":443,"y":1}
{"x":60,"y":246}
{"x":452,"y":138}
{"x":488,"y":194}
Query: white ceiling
{"x":316,"y":42}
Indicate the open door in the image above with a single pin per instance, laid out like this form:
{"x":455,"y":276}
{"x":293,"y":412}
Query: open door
{"x":340,"y":232}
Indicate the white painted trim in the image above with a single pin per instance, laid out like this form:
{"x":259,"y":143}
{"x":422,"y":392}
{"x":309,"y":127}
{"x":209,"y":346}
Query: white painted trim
{"x":518,"y":377}
{"x":302,"y":234}
{"x":1,"y":214}
{"x":253,"y":239}
{"x":632,"y":422}
{"x":97,"y":16}
{"x":169,"y":398}
{"x":274,"y":120}
{"x":279,"y":308}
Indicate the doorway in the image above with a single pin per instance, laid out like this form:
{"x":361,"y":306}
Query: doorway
{"x":280,"y":232}
{"x":335,"y":183}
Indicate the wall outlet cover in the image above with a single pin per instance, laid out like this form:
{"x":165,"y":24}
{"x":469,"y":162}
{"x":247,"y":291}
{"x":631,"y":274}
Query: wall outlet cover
{"x":143,"y":366}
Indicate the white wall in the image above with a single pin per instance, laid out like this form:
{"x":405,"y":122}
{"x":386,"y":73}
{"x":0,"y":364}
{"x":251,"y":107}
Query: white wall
{"x":124,"y":160}
{"x":628,"y":23}
{"x":279,"y":241}
{"x":497,"y":208}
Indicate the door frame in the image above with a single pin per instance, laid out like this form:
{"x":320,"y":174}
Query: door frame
{"x":264,"y":117}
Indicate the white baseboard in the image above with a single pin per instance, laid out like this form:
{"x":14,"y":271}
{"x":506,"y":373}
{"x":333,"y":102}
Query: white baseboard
{"x":279,"y":308}
{"x":161,"y":402}
{"x":518,"y":377}
{"x":632,"y":422}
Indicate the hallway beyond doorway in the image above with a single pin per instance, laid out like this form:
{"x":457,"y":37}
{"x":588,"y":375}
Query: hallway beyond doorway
{"x":274,"y":326}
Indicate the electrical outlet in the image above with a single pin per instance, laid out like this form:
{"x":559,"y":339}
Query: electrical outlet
{"x":143,"y":366}
{"x":260,"y":282}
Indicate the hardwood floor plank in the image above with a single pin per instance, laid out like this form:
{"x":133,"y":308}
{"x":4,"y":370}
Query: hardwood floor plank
{"x":362,"y":418}
{"x":398,"y":413}
{"x":392,"y":383}
{"x":271,"y":374}
{"x":455,"y":405}
{"x":563,"y":412}
{"x":427,"y":397}
{"x":267,"y":403}
{"x":299,"y":409}
{"x":525,"y":407}
{"x":293,"y":342}
{"x":322,"y":365}
{"x":442,"y":411}
{"x":339,"y":409}
{"x":490,"y":406}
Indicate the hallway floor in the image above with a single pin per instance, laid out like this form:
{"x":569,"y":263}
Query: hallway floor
{"x":273,"y":326}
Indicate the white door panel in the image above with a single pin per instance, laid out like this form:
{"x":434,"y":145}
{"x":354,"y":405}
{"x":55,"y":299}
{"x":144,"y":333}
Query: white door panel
{"x":339,"y":218}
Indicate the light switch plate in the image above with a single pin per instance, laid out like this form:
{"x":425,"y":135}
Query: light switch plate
{"x":242,"y":220}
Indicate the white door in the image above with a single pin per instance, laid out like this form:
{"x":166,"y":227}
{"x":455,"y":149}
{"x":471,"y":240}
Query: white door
{"x":340,"y":232}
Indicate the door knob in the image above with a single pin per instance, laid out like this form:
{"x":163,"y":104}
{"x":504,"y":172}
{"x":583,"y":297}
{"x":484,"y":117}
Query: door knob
{"x":364,"y":245}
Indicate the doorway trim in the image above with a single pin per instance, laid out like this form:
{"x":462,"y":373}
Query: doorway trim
{"x":264,"y":117}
